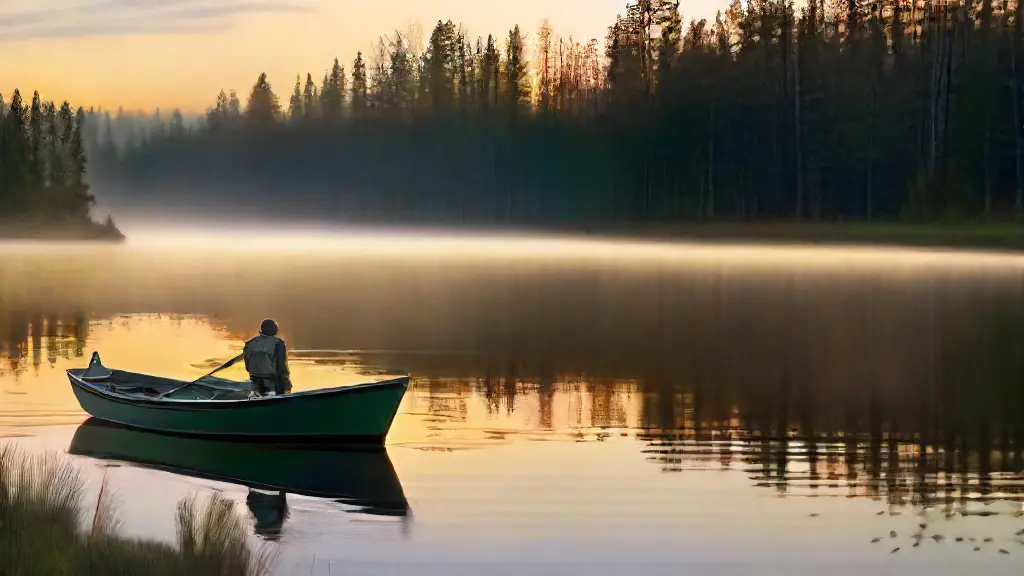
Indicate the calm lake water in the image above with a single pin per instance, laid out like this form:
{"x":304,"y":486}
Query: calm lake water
{"x":578,"y":407}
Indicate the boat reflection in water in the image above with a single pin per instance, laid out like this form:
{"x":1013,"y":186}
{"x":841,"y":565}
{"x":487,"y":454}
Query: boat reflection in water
{"x":362,"y":478}
{"x":269,"y":511}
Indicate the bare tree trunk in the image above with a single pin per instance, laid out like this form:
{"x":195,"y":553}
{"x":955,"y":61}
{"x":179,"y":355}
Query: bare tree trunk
{"x":987,"y":153}
{"x":946,"y":97}
{"x":1018,"y":130}
{"x":798,"y":130}
{"x":942,"y":68}
{"x":711,"y":164}
{"x":986,"y":64}
{"x":938,"y":41}
{"x":743,"y":192}
{"x":647,"y":182}
{"x":816,"y":187}
{"x":871,"y":155}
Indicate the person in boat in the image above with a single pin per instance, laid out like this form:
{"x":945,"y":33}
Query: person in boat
{"x":266,"y":360}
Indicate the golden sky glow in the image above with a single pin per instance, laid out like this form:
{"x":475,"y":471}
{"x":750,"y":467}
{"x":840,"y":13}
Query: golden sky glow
{"x":179,"y":53}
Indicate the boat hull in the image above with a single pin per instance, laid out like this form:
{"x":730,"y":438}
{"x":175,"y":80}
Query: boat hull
{"x":360,"y":414}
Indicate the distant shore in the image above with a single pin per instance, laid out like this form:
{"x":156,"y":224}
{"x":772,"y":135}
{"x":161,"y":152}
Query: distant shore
{"x":999,"y":236}
{"x":1002,"y":236}
{"x":60,"y":231}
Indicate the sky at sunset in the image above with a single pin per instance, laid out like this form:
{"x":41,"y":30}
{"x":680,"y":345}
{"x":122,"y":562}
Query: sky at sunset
{"x":179,"y":53}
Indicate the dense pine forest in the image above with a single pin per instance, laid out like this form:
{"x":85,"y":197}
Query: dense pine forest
{"x":823,"y":110}
{"x":43,"y":190}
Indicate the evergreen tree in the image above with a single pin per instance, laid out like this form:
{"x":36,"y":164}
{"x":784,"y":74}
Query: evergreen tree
{"x":339,"y":80}
{"x":55,"y":165}
{"x":400,"y":78}
{"x":159,"y":131}
{"x":263,"y":107}
{"x":463,"y":69}
{"x":177,"y":128}
{"x":17,"y":164}
{"x":545,"y":61}
{"x":92,"y":128}
{"x":325,"y":96}
{"x":65,"y":192}
{"x":108,"y":145}
{"x":310,"y":103}
{"x":234,"y":108}
{"x":217,"y":117}
{"x":360,"y":87}
{"x":439,"y":66}
{"x":295,"y":113}
{"x":80,"y":199}
{"x":5,"y":185}
{"x":670,"y":23}
{"x":489,"y":70}
{"x":36,"y":163}
{"x":332,"y":93}
{"x":517,"y":79}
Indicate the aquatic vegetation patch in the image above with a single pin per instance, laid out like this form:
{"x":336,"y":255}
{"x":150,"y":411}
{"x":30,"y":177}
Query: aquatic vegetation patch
{"x":42,"y":528}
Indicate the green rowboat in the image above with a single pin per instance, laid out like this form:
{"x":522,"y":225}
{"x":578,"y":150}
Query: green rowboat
{"x":364,"y":479}
{"x":229,"y":409}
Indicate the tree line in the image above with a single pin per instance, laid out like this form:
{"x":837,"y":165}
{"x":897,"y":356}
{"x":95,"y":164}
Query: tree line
{"x":837,"y":110}
{"x":42,"y":162}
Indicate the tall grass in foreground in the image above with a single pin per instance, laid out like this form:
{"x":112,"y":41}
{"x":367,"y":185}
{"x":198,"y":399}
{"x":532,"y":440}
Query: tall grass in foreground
{"x":42,"y":532}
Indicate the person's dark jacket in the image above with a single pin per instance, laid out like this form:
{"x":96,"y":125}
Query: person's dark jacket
{"x":266,"y":360}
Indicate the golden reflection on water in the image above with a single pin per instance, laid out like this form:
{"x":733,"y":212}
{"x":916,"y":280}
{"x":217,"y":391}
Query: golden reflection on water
{"x":452,"y":414}
{"x":35,"y":386}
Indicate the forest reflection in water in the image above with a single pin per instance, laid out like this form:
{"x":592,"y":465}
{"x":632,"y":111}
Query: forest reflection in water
{"x":892,"y":381}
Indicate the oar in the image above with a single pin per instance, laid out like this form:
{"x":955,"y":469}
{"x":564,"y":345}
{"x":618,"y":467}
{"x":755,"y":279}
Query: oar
{"x":227,"y":364}
{"x":223,"y":366}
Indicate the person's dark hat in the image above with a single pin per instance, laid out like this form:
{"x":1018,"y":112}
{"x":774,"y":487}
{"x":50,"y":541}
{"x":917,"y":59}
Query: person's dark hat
{"x":268,"y":327}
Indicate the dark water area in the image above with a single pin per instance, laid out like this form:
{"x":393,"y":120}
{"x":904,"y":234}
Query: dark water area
{"x":650,"y":408}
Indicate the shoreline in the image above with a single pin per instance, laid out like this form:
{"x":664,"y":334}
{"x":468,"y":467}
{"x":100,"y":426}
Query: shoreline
{"x":58,"y":232}
{"x":994,"y":237}
{"x":1002,"y":237}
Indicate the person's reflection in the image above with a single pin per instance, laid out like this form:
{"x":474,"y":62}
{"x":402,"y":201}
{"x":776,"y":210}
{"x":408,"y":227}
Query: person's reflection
{"x":269,"y":511}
